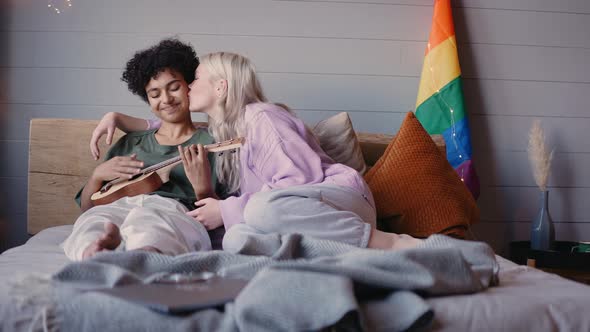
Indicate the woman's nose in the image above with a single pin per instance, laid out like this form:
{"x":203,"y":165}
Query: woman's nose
{"x":166,"y":97}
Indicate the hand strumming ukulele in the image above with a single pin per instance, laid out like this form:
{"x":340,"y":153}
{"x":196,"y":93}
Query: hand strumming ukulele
{"x":151,"y":178}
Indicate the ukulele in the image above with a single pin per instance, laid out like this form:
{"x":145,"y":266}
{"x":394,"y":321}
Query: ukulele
{"x":151,"y":178}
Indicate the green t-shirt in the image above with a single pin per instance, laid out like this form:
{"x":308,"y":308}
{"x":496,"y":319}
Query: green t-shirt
{"x":148,"y":150}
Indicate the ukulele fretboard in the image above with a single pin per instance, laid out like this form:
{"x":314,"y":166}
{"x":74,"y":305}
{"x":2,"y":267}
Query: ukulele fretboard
{"x":159,"y":165}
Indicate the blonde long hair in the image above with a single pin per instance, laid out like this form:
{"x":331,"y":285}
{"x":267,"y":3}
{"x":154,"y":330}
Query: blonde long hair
{"x":243,"y":88}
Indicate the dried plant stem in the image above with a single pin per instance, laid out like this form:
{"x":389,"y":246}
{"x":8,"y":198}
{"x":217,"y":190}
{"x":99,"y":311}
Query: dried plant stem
{"x":539,"y":155}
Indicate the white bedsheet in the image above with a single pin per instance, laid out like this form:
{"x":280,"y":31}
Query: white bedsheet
{"x":41,"y":255}
{"x":526,"y":300}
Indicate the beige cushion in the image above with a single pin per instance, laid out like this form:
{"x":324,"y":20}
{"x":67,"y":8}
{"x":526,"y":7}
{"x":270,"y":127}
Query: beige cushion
{"x":338,"y":139}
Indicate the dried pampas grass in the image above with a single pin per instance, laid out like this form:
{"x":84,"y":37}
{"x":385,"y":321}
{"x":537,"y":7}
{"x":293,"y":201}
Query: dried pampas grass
{"x":539,"y":156}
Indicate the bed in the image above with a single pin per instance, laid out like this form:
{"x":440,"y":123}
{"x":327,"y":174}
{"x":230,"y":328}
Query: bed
{"x":524,"y":299}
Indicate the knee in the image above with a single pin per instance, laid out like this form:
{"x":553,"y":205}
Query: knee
{"x":258,"y":210}
{"x":235,"y":238}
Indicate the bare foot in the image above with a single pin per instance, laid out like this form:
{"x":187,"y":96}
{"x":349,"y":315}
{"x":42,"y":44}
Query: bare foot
{"x":149,"y":248}
{"x":405,"y":241}
{"x":385,"y":240}
{"x":110,"y":240}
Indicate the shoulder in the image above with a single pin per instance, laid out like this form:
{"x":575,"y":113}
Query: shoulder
{"x":134,"y":138}
{"x":140,"y":134}
{"x":262,"y":119}
{"x":272,"y":123}
{"x":202,"y":136}
{"x":265,"y":111}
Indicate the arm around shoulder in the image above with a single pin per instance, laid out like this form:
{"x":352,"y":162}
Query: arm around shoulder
{"x":128,"y":123}
{"x":112,"y":120}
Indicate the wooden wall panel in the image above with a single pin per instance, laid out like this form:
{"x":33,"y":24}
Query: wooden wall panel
{"x":562,"y":6}
{"x":13,"y":192}
{"x":510,"y":133}
{"x":332,"y":55}
{"x":14,"y":158}
{"x":12,"y":233}
{"x":512,"y":168}
{"x":526,"y":98}
{"x":522,"y":203}
{"x":20,"y":115}
{"x":252,"y":17}
{"x":283,"y":18}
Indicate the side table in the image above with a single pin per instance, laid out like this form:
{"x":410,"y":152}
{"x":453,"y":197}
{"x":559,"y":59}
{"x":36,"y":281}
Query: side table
{"x":561,"y":260}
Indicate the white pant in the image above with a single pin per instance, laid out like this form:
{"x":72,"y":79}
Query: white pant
{"x":327,"y":212}
{"x":144,"y":220}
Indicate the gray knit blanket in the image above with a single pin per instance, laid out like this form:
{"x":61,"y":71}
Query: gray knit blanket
{"x":296,"y":284}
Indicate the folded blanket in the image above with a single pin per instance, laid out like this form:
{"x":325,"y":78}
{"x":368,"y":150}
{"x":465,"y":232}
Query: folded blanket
{"x":300,"y":284}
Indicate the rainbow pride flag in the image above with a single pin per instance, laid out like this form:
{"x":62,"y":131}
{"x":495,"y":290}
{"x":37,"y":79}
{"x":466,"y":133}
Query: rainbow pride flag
{"x":439,"y":106}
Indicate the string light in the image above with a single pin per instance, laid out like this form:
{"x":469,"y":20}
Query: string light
{"x":55,"y":8}
{"x":435,"y":85}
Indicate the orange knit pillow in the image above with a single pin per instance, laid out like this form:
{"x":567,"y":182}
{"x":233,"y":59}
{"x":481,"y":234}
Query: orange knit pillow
{"x":414,"y":181}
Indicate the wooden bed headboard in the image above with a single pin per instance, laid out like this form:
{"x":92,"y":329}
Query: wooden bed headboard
{"x":60,"y":163}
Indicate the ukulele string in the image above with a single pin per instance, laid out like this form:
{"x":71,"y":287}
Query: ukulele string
{"x":160,"y":165}
{"x":172,"y":161}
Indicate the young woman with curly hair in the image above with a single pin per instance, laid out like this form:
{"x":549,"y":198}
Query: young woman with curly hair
{"x":156,"y":221}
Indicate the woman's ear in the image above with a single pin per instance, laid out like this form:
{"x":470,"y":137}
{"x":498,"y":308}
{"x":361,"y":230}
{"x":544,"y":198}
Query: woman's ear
{"x":221,"y":88}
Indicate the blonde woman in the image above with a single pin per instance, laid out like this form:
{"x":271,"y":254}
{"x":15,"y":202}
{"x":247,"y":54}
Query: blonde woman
{"x":281,"y":181}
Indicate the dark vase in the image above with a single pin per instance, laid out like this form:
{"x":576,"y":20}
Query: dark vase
{"x":542,"y":231}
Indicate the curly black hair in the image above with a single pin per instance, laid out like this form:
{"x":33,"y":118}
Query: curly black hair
{"x":146,"y":64}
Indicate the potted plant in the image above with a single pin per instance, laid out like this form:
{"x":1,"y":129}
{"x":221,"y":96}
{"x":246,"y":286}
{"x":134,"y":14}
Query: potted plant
{"x":542,"y":230}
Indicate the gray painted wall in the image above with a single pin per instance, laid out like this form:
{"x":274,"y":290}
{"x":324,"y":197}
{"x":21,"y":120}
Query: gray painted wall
{"x":521,"y":59}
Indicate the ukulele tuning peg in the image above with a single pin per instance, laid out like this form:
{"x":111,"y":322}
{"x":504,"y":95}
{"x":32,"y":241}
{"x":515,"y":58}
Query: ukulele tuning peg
{"x":220,"y":154}
{"x":232,"y":151}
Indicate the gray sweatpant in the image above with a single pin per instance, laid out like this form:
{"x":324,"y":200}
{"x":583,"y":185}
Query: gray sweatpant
{"x":327,"y":212}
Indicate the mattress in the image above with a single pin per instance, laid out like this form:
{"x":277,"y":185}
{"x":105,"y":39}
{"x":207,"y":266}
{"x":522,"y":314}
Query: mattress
{"x":527,"y":299}
{"x":40,"y":256}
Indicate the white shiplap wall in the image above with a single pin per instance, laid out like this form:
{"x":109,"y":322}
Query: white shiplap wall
{"x":521,"y":59}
